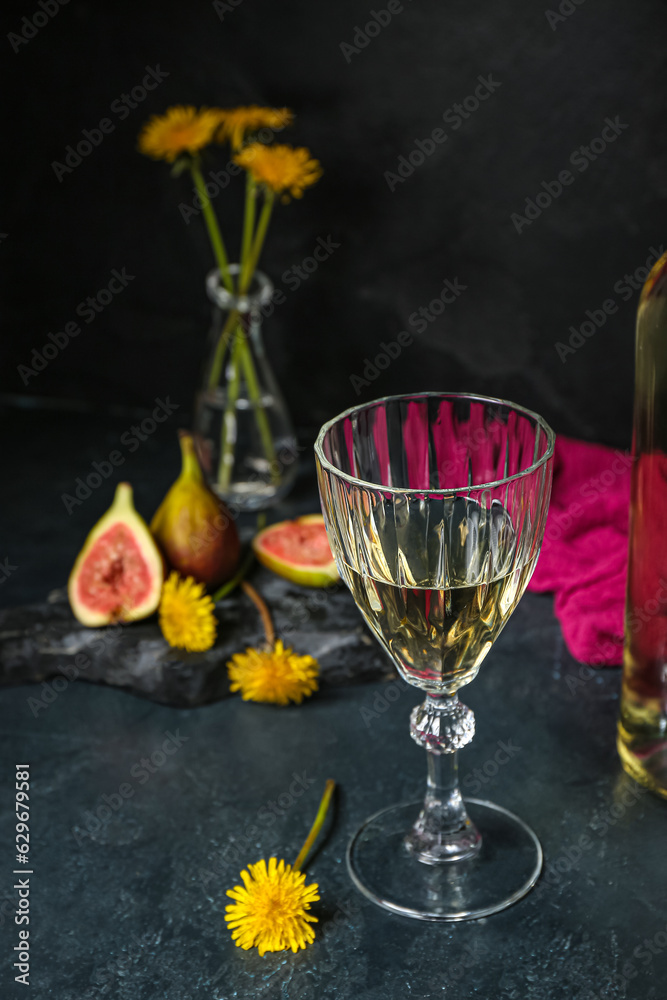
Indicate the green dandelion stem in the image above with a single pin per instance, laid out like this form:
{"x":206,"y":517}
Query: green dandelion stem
{"x":317,"y":825}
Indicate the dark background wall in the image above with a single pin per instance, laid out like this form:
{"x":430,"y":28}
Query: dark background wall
{"x":358,"y":112}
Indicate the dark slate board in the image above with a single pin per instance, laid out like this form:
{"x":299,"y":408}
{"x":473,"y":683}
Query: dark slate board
{"x":45,"y":643}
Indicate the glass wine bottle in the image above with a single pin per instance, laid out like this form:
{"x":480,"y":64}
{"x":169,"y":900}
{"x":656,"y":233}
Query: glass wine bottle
{"x":642,"y":726}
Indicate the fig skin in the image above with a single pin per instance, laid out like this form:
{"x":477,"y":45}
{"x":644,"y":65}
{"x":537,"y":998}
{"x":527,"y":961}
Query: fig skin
{"x":193,"y":528}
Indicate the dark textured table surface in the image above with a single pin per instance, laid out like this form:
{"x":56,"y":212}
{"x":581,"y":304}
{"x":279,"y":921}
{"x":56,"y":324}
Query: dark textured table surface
{"x":128,"y":901}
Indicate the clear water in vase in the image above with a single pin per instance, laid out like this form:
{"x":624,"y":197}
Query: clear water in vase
{"x":256,"y":481}
{"x":246,"y":442}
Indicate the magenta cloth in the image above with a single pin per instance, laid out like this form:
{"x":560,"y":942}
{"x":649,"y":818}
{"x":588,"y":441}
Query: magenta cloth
{"x":585,"y":550}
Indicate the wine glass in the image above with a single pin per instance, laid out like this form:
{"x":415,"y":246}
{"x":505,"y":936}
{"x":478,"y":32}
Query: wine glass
{"x":435,"y":506}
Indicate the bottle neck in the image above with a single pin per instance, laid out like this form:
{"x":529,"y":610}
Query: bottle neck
{"x":258,"y":296}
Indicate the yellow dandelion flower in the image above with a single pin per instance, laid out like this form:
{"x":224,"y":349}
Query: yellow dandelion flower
{"x":276,"y":675}
{"x":238,"y":123}
{"x":283,"y":169}
{"x":186,"y":615}
{"x":271,"y":908}
{"x":179,"y":130}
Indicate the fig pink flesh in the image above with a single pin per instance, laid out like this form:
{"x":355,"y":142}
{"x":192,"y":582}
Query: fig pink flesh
{"x":114,"y":574}
{"x":299,"y":544}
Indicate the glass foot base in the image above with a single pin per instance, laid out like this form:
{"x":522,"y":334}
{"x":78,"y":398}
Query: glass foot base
{"x":505,"y":869}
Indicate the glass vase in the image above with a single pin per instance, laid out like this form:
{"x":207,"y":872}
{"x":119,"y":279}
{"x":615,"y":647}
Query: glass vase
{"x":244,"y":434}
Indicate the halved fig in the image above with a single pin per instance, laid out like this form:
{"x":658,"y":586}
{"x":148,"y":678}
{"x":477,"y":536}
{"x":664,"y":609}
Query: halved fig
{"x":298,"y":550}
{"x":118,"y":574}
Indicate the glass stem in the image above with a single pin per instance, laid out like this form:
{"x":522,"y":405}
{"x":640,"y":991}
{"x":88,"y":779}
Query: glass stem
{"x":443,"y":800}
{"x":443,"y":830}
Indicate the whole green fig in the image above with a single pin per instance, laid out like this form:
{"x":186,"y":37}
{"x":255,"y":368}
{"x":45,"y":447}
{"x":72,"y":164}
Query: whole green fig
{"x":193,"y":527}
